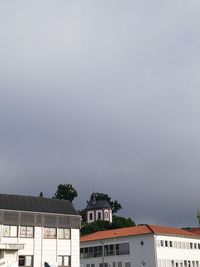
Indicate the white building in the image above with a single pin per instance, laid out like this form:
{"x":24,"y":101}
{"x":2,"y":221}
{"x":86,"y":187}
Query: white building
{"x":38,"y":232}
{"x":144,"y":245}
{"x":98,"y":210}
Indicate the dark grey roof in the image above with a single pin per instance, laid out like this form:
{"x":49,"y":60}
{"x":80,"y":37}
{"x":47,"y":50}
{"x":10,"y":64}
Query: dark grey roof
{"x":98,"y":204}
{"x":36,"y":204}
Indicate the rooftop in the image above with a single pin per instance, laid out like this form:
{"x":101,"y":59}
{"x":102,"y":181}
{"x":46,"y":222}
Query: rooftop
{"x":138,"y":230}
{"x":36,"y":204}
{"x":93,"y":203}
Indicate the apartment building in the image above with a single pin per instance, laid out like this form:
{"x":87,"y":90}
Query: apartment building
{"x":38,"y":232}
{"x":140,"y":246}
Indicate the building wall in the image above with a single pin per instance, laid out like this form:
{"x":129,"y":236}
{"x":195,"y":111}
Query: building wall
{"x":45,"y":249}
{"x":140,"y":253}
{"x":177,"y":251}
{"x":95,"y":215}
{"x":152,"y":251}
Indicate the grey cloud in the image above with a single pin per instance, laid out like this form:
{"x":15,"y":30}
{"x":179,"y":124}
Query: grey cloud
{"x":103,"y":95}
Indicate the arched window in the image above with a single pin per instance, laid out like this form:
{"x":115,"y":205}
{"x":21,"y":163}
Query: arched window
{"x":106,"y":215}
{"x":99,"y":215}
{"x":91,"y":216}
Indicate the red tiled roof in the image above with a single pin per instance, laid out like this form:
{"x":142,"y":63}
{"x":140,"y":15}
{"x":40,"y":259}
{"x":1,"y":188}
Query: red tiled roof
{"x":138,"y":230}
{"x":194,"y":230}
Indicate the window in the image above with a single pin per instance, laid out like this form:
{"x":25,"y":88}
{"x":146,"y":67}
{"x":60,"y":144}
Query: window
{"x":127,"y":264}
{"x":106,"y":215}
{"x":166,"y":243}
{"x":91,"y":253}
{"x":101,"y":264}
{"x":124,"y":249}
{"x":64,"y":261}
{"x":26,"y":261}
{"x":162,"y":243}
{"x":9,"y":231}
{"x":49,"y":232}
{"x":63,"y":233}
{"x":26,"y":231}
{"x":109,"y":250}
{"x":99,"y":215}
{"x":91,"y":216}
{"x":170,"y":244}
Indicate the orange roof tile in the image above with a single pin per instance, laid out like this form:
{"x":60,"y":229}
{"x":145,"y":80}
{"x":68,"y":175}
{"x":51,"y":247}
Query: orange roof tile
{"x":138,"y":230}
{"x":194,"y":230}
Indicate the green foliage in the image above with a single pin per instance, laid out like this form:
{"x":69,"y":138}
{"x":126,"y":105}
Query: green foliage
{"x":115,"y":205}
{"x":118,"y":222}
{"x":95,"y":226}
{"x":65,"y":191}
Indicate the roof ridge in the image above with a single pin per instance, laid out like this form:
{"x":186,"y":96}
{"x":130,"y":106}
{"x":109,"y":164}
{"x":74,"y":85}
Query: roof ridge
{"x":150,"y":228}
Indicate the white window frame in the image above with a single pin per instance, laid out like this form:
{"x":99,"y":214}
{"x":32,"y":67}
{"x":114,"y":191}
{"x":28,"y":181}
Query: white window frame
{"x":28,"y":231}
{"x":49,"y":233}
{"x":10,"y":231}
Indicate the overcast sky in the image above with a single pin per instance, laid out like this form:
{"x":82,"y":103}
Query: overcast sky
{"x":104,"y":95}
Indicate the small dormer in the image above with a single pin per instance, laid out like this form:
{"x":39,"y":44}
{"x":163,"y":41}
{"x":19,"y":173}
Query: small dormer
{"x":98,"y":210}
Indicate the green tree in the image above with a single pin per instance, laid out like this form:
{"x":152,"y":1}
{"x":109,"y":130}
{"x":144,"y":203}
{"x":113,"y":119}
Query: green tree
{"x":95,"y":227}
{"x":118,"y":222}
{"x":65,"y":191}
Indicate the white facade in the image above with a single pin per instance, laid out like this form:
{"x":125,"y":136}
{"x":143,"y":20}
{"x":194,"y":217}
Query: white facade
{"x":98,"y":210}
{"x":143,"y":249}
{"x":39,"y":248}
{"x":99,"y":214}
{"x":177,"y":251}
{"x":39,"y":239}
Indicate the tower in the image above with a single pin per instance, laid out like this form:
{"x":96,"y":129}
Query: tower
{"x":98,"y":210}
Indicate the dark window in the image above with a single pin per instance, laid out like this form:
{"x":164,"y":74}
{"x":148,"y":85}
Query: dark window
{"x":142,"y":243}
{"x":91,"y":253}
{"x":26,"y":261}
{"x":109,"y":250}
{"x":124,"y":249}
{"x":99,"y":215}
{"x":91,"y":216}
